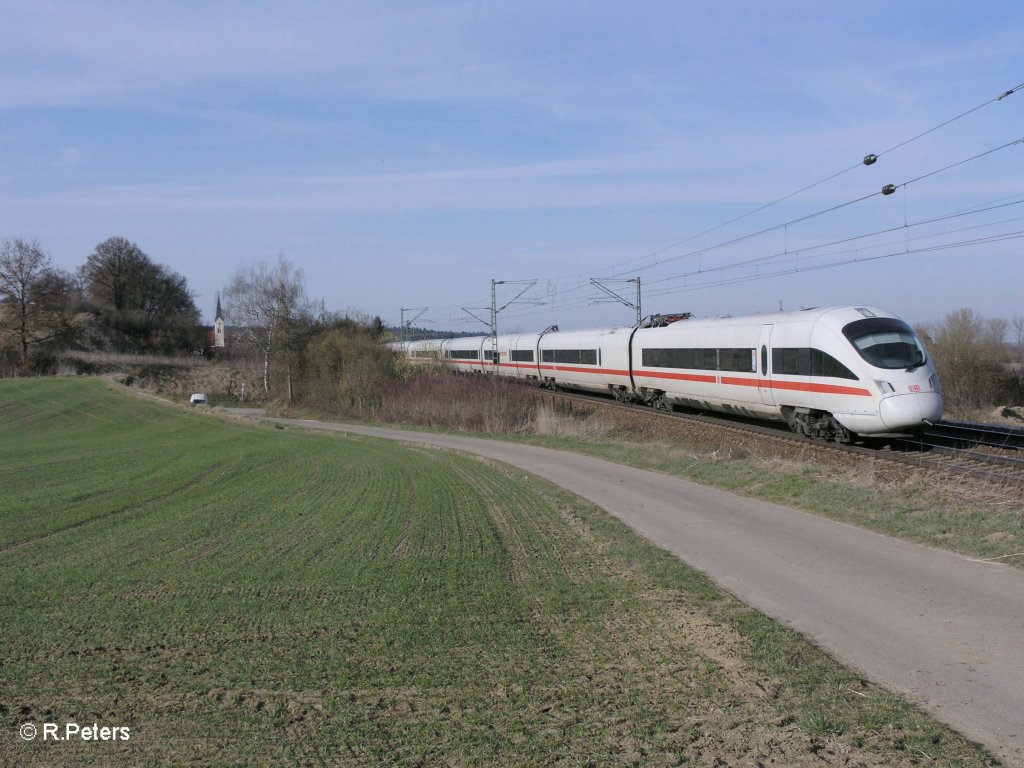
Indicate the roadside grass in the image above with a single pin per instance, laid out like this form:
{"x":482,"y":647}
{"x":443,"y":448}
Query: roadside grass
{"x":939,"y":512}
{"x":237,"y":595}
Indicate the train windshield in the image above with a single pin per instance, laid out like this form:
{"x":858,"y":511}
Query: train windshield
{"x":885,"y":342}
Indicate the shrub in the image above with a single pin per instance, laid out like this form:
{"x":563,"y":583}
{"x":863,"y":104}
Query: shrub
{"x":346,"y":371}
{"x":442,"y":400}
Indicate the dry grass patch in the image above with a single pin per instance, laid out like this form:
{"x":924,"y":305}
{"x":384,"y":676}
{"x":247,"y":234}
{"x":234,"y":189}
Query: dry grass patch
{"x":550,"y":421}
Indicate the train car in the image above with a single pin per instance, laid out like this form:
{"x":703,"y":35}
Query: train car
{"x":589,"y":361}
{"x":830,"y":373}
{"x":517,"y":356}
{"x":420,"y":350}
{"x":468,"y":354}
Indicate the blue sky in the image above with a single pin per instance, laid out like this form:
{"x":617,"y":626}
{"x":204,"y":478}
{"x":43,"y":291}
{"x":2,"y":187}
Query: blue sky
{"x":404,"y":154}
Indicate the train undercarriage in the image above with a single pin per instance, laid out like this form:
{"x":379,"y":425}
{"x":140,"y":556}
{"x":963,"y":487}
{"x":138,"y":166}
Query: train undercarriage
{"x":817,"y":424}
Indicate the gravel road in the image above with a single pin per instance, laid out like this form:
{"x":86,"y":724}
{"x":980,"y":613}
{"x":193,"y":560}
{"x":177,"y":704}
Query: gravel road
{"x":942,"y":629}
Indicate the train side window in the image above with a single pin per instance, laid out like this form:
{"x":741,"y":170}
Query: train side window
{"x":785,"y":361}
{"x":764,"y":360}
{"x":658,"y":358}
{"x":521,"y":355}
{"x":741,"y":360}
{"x":823,"y":364}
{"x":702,"y":359}
{"x":807,"y":361}
{"x":571,"y":356}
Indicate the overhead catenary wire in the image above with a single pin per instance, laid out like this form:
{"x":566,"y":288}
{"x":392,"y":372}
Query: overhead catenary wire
{"x":1000,"y":97}
{"x":1002,"y":237}
{"x":805,"y":250}
{"x":583,"y":301}
{"x":654,"y":291}
{"x":958,"y":163}
{"x":824,"y":180}
{"x":645,"y":263}
{"x":863,"y":257}
{"x":825,"y":211}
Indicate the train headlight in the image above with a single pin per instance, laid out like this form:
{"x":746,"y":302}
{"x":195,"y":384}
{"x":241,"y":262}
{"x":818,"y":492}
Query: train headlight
{"x":933,"y":382}
{"x":885,"y":387}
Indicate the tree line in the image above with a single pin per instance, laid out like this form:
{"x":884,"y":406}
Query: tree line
{"x":119,"y":300}
{"x":328,"y":360}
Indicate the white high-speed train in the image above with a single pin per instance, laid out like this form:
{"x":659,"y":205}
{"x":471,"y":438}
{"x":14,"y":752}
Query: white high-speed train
{"x":831,"y":373}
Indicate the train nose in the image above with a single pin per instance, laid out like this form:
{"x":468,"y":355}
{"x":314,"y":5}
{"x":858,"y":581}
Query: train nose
{"x":902,"y":411}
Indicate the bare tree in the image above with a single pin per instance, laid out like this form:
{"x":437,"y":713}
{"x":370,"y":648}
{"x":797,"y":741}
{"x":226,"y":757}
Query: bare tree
{"x":269,"y":307}
{"x":34,"y":294}
{"x":1017,"y":326}
{"x":971,"y":359}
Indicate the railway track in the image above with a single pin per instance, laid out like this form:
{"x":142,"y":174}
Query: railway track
{"x":970,"y":435}
{"x":981,"y":449}
{"x":992,"y":454}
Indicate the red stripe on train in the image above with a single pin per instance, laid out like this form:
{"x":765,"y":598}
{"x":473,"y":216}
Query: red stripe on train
{"x":574,"y":369}
{"x":703,"y":378}
{"x":795,"y":386}
{"x":798,"y":386}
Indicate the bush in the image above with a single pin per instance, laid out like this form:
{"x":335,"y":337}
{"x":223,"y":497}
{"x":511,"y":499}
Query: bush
{"x":346,"y":369}
{"x":472,"y":403}
{"x":973,"y":362}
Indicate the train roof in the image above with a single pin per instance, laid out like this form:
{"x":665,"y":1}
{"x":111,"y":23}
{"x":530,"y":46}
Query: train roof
{"x":843,"y":314}
{"x":848,"y":311}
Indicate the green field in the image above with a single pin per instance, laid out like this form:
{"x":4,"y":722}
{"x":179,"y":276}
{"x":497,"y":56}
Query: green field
{"x":236,"y":594}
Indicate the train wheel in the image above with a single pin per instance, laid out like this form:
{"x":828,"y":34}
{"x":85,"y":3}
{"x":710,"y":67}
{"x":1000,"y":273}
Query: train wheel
{"x":797,"y":422}
{"x":838,"y":432}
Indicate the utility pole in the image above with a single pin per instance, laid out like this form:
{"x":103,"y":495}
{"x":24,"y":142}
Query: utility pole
{"x":495,"y":309}
{"x":631,"y":304}
{"x":494,"y":323}
{"x":420,"y":310}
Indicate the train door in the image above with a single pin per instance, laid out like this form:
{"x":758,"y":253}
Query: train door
{"x":764,"y":368}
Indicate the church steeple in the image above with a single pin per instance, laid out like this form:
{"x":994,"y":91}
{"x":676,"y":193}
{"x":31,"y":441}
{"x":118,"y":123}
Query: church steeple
{"x":218,"y":327}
